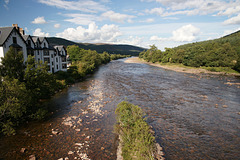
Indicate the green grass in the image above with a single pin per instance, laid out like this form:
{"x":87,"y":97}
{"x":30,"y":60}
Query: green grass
{"x":136,"y":139}
{"x":220,"y":69}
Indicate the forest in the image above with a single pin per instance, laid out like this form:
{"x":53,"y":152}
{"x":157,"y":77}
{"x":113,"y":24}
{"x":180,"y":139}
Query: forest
{"x":24,"y":86}
{"x":223,"y":52}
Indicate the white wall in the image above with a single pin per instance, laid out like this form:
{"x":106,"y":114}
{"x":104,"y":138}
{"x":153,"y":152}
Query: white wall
{"x":20,"y":42}
{"x":1,"y":53}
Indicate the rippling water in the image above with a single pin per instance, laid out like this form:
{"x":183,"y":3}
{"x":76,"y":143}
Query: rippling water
{"x":194,"y":116}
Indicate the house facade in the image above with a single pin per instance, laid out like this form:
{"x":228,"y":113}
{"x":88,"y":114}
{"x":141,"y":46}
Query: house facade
{"x":11,"y":37}
{"x":39,"y":47}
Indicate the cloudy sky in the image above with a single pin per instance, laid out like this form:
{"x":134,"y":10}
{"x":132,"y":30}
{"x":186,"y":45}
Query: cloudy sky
{"x":165,"y":23}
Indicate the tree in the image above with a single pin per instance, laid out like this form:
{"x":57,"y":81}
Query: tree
{"x":12,"y":65}
{"x":14,"y":100}
{"x":105,"y":58}
{"x":74,"y":52}
{"x":39,"y":82}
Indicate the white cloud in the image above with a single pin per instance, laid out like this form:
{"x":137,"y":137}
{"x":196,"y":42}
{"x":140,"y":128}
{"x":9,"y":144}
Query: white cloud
{"x":26,"y":29}
{"x":57,"y":25}
{"x":117,"y":17}
{"x":158,"y":11}
{"x":39,"y":20}
{"x":81,"y":19}
{"x":230,"y":11}
{"x":233,"y":20}
{"x":156,"y":38}
{"x":6,"y":3}
{"x":149,"y":20}
{"x":227,"y":32}
{"x":186,"y":33}
{"x":38,"y":32}
{"x":131,"y":40}
{"x":80,"y":5}
{"x":107,"y":33}
{"x":197,"y":7}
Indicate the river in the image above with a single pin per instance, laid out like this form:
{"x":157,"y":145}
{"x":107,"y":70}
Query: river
{"x":194,"y":116}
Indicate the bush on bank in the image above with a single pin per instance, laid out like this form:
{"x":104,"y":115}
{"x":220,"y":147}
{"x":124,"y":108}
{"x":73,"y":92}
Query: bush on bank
{"x":135,"y":136}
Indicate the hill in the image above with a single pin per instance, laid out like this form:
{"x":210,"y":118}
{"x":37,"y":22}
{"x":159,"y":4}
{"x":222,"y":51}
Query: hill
{"x":223,"y":53}
{"x":100,"y":47}
{"x":233,"y":39}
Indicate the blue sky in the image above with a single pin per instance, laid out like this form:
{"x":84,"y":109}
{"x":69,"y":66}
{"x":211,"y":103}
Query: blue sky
{"x":165,"y":23}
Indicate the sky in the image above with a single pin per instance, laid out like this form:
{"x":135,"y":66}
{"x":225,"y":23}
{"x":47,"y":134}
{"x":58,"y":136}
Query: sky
{"x":164,"y":23}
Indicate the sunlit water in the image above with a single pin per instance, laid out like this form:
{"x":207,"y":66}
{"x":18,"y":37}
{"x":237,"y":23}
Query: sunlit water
{"x":194,"y":117}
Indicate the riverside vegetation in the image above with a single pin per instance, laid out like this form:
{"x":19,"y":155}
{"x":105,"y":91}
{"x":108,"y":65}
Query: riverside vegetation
{"x":136,"y":139}
{"x":23,"y":87}
{"x":219,"y":55}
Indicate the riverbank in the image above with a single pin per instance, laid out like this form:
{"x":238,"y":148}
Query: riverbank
{"x":179,"y":67}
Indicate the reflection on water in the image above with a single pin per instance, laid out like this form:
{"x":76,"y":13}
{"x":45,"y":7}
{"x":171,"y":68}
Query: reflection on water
{"x":194,"y":116}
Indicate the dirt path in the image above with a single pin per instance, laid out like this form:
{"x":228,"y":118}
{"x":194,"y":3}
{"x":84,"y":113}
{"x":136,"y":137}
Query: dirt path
{"x":177,"y":68}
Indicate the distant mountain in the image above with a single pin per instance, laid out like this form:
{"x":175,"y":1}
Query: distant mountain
{"x":100,"y":47}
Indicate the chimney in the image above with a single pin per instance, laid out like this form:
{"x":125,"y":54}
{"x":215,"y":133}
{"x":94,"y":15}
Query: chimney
{"x":21,"y":31}
{"x":16,"y":26}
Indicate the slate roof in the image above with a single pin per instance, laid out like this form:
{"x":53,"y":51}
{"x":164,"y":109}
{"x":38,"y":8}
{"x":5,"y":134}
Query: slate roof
{"x":35,"y":39}
{"x":4,"y":33}
{"x":25,"y":37}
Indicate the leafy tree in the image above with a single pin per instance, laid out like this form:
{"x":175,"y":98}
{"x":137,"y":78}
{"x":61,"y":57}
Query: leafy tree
{"x":14,"y":100}
{"x":12,"y":65}
{"x":105,"y":58}
{"x":39,"y":82}
{"x":73,"y":52}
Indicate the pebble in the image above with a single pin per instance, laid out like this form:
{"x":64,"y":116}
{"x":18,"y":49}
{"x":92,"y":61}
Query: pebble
{"x":55,"y":132}
{"x":23,"y":150}
{"x":225,"y":106}
{"x":98,"y":129}
{"x":78,"y":130}
{"x":70,"y":152}
{"x":32,"y":157}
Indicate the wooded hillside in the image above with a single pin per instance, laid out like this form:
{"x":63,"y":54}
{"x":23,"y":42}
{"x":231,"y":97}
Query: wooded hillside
{"x":100,"y":48}
{"x":222,"y":52}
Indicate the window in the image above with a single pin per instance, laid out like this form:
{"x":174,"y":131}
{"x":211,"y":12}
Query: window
{"x":14,"y":40}
{"x":57,"y":66}
{"x":63,"y":59}
{"x":47,"y":60}
{"x":38,"y":59}
{"x":44,"y":45}
{"x":49,"y":69}
{"x":29,"y":42}
{"x":46,"y":52}
{"x":64,"y":66}
{"x":52,"y":55}
{"x":38,"y":52}
{"x":56,"y":59}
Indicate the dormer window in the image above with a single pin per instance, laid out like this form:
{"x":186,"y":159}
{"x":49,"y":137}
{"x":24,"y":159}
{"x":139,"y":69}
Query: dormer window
{"x":14,"y":40}
{"x":44,"y":45}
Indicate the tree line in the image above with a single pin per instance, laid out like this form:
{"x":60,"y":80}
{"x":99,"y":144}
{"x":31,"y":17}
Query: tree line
{"x":24,"y":85}
{"x":215,"y":53}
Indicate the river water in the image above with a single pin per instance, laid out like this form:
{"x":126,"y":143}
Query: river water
{"x":194,"y":116}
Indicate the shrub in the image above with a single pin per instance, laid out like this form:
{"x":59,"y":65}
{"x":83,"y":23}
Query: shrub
{"x":137,"y":140}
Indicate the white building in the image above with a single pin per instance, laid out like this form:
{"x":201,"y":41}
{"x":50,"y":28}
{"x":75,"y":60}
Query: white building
{"x":55,"y":57}
{"x":11,"y":37}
